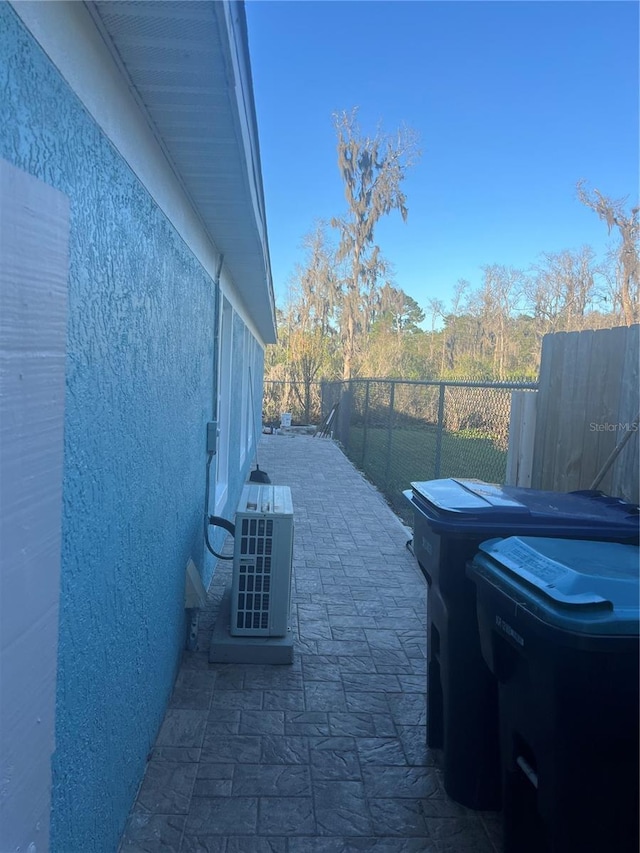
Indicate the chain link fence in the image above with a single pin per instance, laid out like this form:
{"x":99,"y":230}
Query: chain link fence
{"x":303,"y":401}
{"x":398,"y":431}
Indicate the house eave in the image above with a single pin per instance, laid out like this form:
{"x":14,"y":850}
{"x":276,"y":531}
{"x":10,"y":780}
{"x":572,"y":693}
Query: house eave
{"x":187,"y":66}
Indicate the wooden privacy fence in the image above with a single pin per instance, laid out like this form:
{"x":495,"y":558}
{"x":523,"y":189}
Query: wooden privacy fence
{"x":587,"y":402}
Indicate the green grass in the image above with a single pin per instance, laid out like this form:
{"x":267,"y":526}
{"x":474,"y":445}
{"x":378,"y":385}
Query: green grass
{"x":412,"y":454}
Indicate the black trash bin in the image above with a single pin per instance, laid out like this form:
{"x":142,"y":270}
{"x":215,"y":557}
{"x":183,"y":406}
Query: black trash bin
{"x":451,"y":518}
{"x":559,"y":628}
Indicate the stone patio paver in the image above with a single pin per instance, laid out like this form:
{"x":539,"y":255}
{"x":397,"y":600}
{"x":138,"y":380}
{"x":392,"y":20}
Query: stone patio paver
{"x":328,"y":754}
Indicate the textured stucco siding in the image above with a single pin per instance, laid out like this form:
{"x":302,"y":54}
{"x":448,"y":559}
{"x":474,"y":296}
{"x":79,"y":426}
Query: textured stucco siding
{"x":139,"y":387}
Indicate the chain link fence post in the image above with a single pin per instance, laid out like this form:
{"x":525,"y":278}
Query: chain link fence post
{"x":366,"y":423}
{"x":392,"y":394}
{"x":343,"y":418}
{"x":438,"y":459}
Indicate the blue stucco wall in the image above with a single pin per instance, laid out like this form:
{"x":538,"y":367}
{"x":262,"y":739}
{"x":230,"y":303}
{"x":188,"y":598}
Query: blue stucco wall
{"x":138,"y":396}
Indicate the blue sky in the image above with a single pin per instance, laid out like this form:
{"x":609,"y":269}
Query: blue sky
{"x":513,"y":101}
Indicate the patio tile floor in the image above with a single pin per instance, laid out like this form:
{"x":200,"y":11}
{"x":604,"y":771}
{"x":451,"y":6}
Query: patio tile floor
{"x":328,"y":754}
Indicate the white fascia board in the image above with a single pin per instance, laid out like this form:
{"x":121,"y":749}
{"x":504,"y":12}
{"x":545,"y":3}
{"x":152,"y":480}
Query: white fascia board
{"x":66,"y":32}
{"x":243,"y":90}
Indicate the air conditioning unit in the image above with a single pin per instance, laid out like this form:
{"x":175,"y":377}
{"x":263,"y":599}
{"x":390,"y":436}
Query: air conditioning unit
{"x":262,"y":559}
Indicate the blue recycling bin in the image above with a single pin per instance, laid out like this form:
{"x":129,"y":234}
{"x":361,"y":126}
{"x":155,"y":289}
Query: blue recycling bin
{"x":559,"y":625}
{"x":451,"y":518}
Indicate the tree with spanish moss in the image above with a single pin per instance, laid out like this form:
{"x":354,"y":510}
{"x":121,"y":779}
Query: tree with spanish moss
{"x":612,"y":212}
{"x":306,"y":350}
{"x":373,"y":169}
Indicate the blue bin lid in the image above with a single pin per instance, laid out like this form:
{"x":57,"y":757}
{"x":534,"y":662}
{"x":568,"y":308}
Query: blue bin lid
{"x":455,"y":505}
{"x":578,"y":585}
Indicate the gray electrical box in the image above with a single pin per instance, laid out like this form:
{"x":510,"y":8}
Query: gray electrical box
{"x":212,"y":437}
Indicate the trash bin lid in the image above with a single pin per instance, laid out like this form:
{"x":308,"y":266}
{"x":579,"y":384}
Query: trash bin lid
{"x":582,"y":586}
{"x":456,"y":505}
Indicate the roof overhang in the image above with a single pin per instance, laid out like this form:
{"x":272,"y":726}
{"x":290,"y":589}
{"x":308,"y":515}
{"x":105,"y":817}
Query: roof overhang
{"x":187,"y":66}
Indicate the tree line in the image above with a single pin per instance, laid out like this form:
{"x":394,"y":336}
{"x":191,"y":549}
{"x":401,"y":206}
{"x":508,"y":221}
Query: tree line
{"x":345,"y":317}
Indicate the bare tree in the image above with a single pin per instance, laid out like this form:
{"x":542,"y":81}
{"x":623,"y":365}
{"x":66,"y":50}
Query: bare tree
{"x":372,"y":169}
{"x":612,"y":211}
{"x":316,"y":287}
{"x":313,"y":300}
{"x":307,"y":338}
{"x":436,"y":311}
{"x":493,"y":306}
{"x":562,"y":290}
{"x":450,"y":334}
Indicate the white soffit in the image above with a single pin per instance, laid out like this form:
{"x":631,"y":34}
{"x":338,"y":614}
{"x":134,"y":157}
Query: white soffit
{"x":187,"y":66}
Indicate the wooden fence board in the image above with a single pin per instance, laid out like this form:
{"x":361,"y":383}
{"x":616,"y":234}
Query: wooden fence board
{"x":609,"y":412}
{"x":626,"y":473}
{"x":522,"y":426}
{"x":562,"y":439}
{"x":542,"y":449}
{"x":581,"y":465}
{"x":588,"y":393}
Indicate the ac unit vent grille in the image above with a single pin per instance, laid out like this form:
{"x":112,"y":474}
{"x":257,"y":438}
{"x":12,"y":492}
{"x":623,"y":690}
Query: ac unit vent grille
{"x":256,"y":536}
{"x":262,"y":563}
{"x":254,"y":586}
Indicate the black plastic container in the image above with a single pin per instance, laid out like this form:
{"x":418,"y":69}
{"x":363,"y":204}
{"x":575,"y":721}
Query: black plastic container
{"x":451,"y":519}
{"x":559,"y":626}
